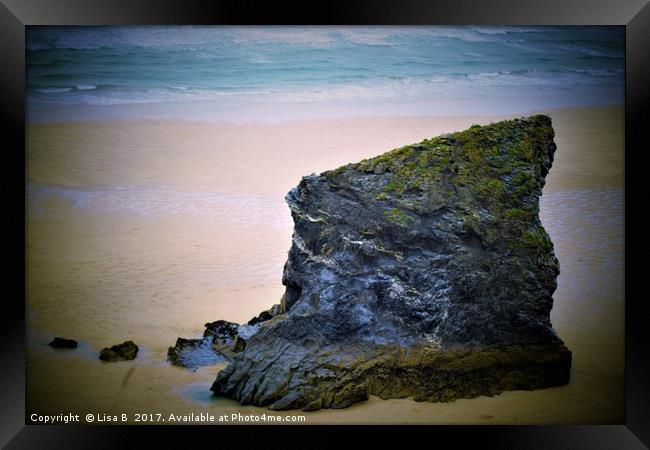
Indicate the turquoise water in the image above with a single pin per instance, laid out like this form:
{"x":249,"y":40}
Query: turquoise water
{"x":267,"y":73}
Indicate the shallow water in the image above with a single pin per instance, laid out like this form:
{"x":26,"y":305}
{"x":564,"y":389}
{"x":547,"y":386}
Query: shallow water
{"x":589,"y":244}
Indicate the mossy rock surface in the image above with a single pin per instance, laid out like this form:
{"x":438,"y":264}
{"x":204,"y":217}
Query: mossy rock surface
{"x":424,"y":272}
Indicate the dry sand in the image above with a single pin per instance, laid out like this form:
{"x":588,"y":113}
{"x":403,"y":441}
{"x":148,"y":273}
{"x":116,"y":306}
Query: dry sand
{"x":145,"y":230}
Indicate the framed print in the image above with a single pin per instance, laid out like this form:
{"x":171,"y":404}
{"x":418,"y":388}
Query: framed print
{"x":362,"y":215}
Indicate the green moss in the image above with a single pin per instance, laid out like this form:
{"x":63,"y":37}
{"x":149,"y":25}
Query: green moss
{"x":474,"y":154}
{"x":516,"y":213}
{"x":394,"y":186}
{"x":332,"y":173}
{"x":523,"y":149}
{"x":490,"y":190}
{"x":538,"y":239}
{"x":494,"y":165}
{"x":521,"y":190}
{"x":495,"y":186}
{"x":520,"y":178}
{"x":391,"y":186}
{"x":398,"y":216}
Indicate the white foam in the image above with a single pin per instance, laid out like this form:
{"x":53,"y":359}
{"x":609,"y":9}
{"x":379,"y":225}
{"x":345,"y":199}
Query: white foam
{"x":368,"y":37}
{"x":505,"y":30}
{"x":318,"y":38}
{"x":435,"y":86}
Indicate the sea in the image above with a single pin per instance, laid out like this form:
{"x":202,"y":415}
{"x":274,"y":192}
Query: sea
{"x":281,"y":73}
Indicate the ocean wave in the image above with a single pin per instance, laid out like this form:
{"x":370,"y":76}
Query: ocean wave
{"x":372,"y":37}
{"x":171,"y":37}
{"x":237,"y":66}
{"x":63,"y":90}
{"x":589,"y":51}
{"x":93,"y":38}
{"x":462,"y":34}
{"x":527,"y":78}
{"x":600,"y":72}
{"x":317,"y":38}
{"x":511,"y":29}
{"x":43,"y":47}
{"x":54,"y":90}
{"x":260,"y":59}
{"x":197,"y":37}
{"x":442,"y":85}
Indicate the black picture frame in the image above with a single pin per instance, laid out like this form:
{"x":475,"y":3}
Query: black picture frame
{"x":633,"y":14}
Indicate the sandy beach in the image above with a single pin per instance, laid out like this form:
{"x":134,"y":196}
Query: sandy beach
{"x":148,"y":229}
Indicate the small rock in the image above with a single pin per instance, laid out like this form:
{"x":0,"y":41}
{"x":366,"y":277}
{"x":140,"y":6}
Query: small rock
{"x":59,"y":342}
{"x":221,"y":329}
{"x":223,"y":335}
{"x":125,"y":351}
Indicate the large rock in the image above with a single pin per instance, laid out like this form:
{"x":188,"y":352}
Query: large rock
{"x":424,"y":272}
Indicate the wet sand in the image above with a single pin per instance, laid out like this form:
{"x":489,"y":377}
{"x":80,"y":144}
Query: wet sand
{"x":145,"y":230}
